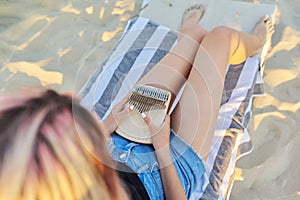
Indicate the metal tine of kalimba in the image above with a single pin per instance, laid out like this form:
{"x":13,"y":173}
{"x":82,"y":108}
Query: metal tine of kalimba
{"x":145,"y":102}
{"x":143,"y":99}
{"x":141,"y":105}
{"x":152,"y":104}
{"x":148,"y":104}
{"x":159,"y":95}
{"x":130,"y":99}
{"x":148,"y":98}
{"x":145,"y":90}
{"x":133,"y":100}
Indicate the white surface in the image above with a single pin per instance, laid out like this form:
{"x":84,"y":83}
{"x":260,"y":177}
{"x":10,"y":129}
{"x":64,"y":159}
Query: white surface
{"x":238,"y":15}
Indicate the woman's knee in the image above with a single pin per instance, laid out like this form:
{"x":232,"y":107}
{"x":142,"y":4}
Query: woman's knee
{"x":221,"y":40}
{"x":222,"y":33}
{"x":216,"y":47}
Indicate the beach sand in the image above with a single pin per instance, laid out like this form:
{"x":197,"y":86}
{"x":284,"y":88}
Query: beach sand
{"x":272,"y":170}
{"x":59,"y":44}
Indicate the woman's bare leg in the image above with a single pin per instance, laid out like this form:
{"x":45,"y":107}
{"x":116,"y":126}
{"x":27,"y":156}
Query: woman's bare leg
{"x":195,"y":117}
{"x":172,"y":71}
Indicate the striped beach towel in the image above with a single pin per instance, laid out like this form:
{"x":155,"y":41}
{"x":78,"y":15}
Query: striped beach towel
{"x":143,"y":44}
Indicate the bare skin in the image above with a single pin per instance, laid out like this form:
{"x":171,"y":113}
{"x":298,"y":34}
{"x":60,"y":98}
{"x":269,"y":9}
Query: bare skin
{"x":178,"y":63}
{"x":202,"y":95}
{"x":200,"y":59}
{"x":192,"y":16}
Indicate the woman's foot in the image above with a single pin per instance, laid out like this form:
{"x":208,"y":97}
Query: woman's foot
{"x":190,"y":23}
{"x":193,"y":14}
{"x":263,"y":30}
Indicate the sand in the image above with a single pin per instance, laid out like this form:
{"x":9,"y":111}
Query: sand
{"x":48,"y":43}
{"x":59,"y":44}
{"x":272,"y":170}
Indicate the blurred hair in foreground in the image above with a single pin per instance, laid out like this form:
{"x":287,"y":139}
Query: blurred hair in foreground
{"x":47,"y":150}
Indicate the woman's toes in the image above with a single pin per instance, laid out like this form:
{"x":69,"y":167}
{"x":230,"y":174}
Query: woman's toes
{"x":193,"y":13}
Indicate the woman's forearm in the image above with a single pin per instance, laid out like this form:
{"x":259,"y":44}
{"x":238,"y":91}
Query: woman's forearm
{"x":110,"y":124}
{"x":171,"y":184}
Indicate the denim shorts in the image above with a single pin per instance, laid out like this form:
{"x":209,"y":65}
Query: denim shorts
{"x":142,"y":160}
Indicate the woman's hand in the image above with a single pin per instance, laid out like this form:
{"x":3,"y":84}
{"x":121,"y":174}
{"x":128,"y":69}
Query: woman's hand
{"x":119,"y":112}
{"x":160,"y":135}
{"x":161,"y":142}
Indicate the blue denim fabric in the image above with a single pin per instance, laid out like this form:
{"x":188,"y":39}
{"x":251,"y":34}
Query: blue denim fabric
{"x":141,"y":159}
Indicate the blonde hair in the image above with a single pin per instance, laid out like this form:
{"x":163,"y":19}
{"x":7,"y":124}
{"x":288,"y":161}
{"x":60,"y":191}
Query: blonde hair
{"x":48,"y":150}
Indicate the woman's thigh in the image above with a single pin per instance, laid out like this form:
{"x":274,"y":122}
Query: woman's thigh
{"x":195,"y":116}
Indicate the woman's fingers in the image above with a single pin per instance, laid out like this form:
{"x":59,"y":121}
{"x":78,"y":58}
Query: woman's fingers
{"x":124,"y":113}
{"x":152,"y":127}
{"x":121,"y":115}
{"x":146,"y":118}
{"x":160,"y":135}
{"x":148,"y":121}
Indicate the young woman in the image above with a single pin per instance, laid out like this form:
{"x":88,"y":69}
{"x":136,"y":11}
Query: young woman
{"x":52,"y":148}
{"x":182,"y":143}
{"x":43,"y":151}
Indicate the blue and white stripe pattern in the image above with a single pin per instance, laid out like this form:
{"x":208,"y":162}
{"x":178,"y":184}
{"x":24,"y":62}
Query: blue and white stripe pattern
{"x":143,"y":44}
